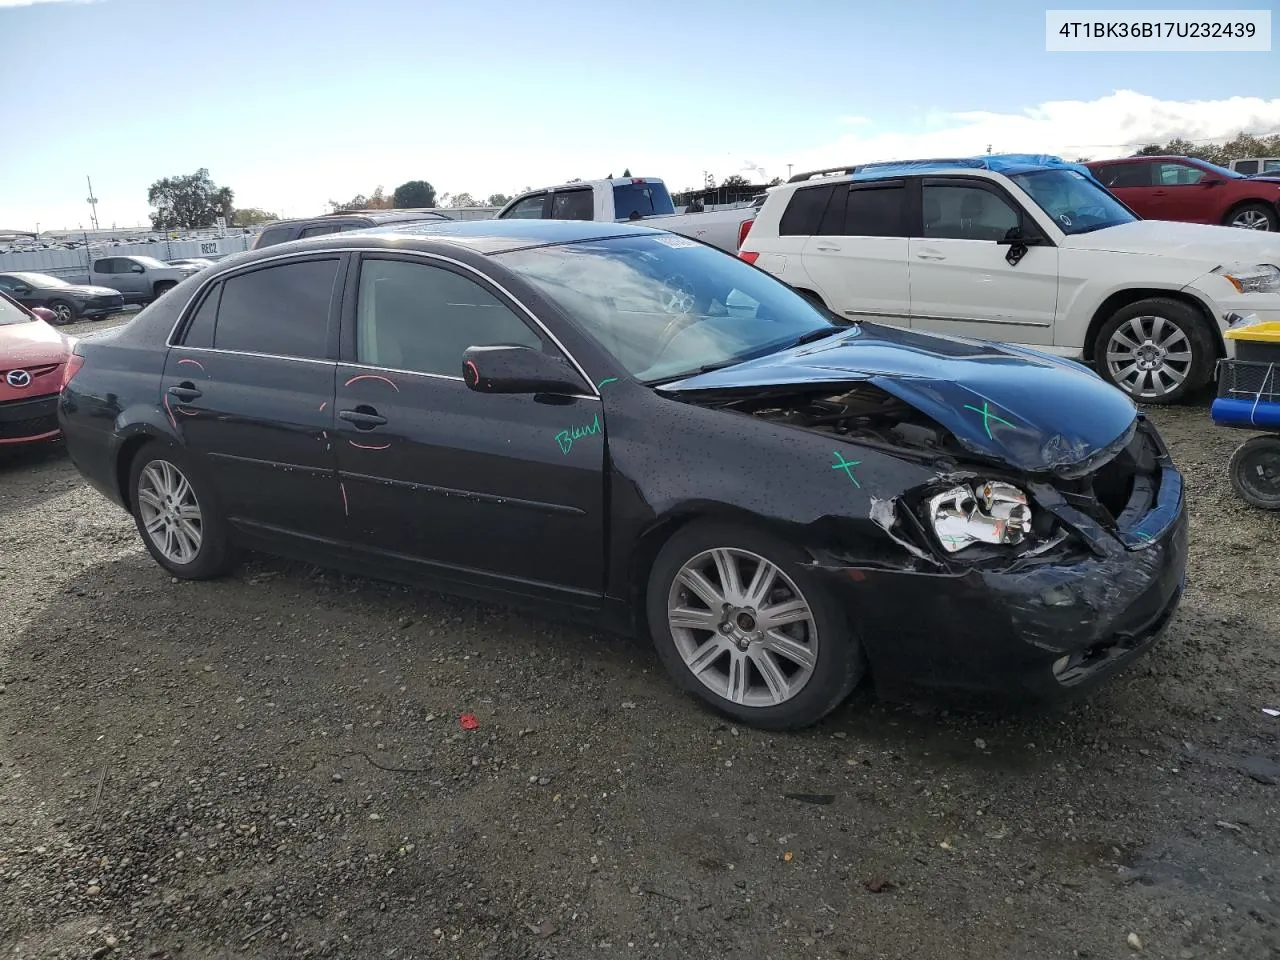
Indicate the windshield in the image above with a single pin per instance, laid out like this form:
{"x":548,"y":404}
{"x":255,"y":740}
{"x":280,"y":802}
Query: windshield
{"x":1221,"y":171}
{"x":10,"y":314}
{"x":1076,"y":203}
{"x":667,"y":306}
{"x":39,"y":280}
{"x":646,"y":199}
{"x":151,"y":262}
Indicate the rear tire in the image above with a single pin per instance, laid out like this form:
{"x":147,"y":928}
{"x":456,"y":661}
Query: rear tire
{"x":1255,"y":472}
{"x":177,"y":514}
{"x":713,"y":631}
{"x":1157,"y":350}
{"x":1253,"y":216}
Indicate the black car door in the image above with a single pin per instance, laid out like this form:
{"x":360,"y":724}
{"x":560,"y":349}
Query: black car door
{"x":482,"y":487}
{"x":248,"y":387}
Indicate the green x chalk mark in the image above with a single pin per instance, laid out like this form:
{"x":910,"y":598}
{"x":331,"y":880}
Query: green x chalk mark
{"x":847,"y":466}
{"x":987,"y":417}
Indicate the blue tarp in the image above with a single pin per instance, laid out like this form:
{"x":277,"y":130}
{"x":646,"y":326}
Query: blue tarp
{"x":1006,"y":163}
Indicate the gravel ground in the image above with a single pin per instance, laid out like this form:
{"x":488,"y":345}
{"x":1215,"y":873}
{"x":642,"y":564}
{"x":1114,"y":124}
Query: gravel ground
{"x":272,"y":765}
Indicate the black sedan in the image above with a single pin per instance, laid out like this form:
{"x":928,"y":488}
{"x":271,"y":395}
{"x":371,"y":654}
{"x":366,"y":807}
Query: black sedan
{"x":68,"y":301}
{"x":646,"y":432}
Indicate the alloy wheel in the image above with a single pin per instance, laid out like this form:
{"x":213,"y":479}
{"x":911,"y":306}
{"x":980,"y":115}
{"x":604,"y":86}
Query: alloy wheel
{"x":742,"y":627}
{"x":170,"y":512}
{"x":1251,"y":219}
{"x":63,"y":312}
{"x":1149,"y":357}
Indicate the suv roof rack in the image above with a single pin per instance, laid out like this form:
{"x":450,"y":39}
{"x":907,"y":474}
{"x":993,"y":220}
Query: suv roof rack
{"x":827,"y":172}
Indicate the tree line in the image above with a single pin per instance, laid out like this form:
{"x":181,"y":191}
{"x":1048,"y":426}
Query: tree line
{"x":193,"y":201}
{"x":1242,"y":147}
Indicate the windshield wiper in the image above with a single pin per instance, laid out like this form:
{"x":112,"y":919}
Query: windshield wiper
{"x":812,"y":335}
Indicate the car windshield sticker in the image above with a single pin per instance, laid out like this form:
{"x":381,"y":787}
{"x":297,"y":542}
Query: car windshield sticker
{"x":987,"y":417}
{"x":566,"y":437}
{"x":847,"y":466}
{"x":677,"y":241}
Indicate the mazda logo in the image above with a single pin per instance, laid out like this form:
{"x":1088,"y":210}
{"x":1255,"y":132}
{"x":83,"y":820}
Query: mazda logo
{"x":18,"y":378}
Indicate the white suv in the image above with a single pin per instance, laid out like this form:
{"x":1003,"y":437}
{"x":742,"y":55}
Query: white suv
{"x":1022,"y":249}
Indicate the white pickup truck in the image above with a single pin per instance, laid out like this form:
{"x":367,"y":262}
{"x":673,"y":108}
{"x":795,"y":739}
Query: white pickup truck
{"x":635,"y":199}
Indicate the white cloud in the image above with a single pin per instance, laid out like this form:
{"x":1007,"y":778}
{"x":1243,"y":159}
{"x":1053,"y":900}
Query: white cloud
{"x":1109,"y":126}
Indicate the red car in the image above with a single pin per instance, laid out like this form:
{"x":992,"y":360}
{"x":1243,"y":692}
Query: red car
{"x":1193,"y":191}
{"x":33,"y":356}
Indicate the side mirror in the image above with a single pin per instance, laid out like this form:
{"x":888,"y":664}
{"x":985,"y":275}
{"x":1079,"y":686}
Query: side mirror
{"x":45,"y":314}
{"x":1015,"y":237}
{"x":514,"y":369}
{"x":22,"y":291}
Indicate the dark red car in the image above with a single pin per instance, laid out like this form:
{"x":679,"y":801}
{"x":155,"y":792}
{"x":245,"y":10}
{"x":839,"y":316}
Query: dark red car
{"x":1191,"y":190}
{"x":33,"y":358}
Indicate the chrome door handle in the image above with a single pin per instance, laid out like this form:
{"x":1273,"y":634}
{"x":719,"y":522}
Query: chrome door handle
{"x":930,"y":256}
{"x":826,"y":247}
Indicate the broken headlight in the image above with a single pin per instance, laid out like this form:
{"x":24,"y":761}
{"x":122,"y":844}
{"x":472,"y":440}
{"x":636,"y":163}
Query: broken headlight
{"x":986,"y":512}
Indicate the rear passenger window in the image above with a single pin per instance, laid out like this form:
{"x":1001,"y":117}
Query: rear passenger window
{"x":868,"y":210}
{"x":200,"y":329}
{"x":282,"y":311}
{"x":572,"y":205}
{"x":804,"y":213}
{"x":1247,"y":167}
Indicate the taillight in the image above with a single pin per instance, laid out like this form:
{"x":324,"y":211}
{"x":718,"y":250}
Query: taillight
{"x":70,"y":369}
{"x":743,"y":229}
{"x":748,"y":255}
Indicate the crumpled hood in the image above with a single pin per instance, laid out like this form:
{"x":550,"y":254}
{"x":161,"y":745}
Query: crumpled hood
{"x":1193,"y":241}
{"x":1031,"y":410}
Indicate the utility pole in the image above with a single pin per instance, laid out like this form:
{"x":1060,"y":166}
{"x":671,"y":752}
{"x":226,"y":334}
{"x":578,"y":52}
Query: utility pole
{"x":93,"y":203}
{"x":788,"y":171}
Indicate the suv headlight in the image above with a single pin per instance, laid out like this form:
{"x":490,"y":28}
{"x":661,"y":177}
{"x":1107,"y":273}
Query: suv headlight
{"x":1255,"y":278}
{"x":988,"y":512}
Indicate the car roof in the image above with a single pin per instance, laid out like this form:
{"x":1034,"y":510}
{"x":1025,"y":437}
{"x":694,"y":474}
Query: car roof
{"x":1008,"y":164}
{"x":377,"y":216}
{"x":481,"y":236}
{"x":1145,"y":156}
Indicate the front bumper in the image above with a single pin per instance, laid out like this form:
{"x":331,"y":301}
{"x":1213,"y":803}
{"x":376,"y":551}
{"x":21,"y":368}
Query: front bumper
{"x":101,"y":307}
{"x":1047,"y":630}
{"x":29,"y":420}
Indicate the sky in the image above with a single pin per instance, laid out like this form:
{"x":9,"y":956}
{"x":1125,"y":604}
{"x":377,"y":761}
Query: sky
{"x":292,"y":103}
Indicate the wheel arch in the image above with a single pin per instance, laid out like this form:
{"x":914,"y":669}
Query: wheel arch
{"x":657,"y":534}
{"x":1127,"y":297}
{"x":1271,"y":205}
{"x":125,"y":456}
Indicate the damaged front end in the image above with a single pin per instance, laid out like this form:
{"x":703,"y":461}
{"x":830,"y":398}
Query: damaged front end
{"x":1036,"y":576}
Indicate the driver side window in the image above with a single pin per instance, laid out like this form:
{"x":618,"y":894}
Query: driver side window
{"x":422,"y":318}
{"x":958,"y":212}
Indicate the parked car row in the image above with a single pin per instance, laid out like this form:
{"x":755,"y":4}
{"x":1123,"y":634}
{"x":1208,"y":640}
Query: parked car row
{"x":1193,"y":191}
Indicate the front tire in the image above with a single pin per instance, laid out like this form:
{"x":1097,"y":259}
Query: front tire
{"x":1253,"y":216}
{"x":1255,"y":472}
{"x":1157,"y":350}
{"x":64,"y":312}
{"x":162,"y":288}
{"x":739,"y":621}
{"x":177,"y":514}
